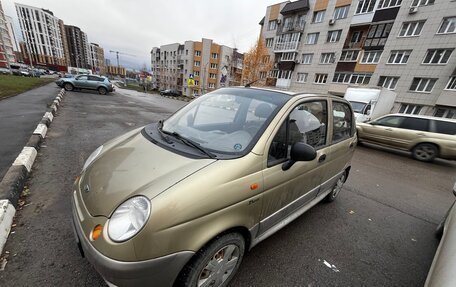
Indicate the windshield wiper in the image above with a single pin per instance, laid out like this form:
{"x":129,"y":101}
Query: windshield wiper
{"x":162,"y":134}
{"x":191,"y":143}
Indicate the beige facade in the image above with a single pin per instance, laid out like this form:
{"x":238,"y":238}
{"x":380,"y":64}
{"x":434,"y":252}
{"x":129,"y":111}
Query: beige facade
{"x":209,"y":64}
{"x":328,"y":45}
{"x":7,"y":41}
{"x":96,"y":59}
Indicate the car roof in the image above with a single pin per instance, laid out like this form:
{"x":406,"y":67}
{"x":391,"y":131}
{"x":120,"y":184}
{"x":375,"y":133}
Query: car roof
{"x":423,"y":117}
{"x":303,"y":94}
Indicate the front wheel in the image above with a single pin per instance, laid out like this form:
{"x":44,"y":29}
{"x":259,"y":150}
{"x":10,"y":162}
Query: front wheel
{"x":102,"y":91}
{"x":68,"y":87}
{"x":215,"y":264}
{"x":425,"y":152}
{"x":336,"y":188}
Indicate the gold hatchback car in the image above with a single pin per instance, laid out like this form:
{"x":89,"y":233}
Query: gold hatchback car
{"x":181,"y":201}
{"x":426,"y":137}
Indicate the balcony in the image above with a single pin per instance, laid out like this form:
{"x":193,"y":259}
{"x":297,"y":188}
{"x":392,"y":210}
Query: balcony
{"x":286,"y":47}
{"x":283,"y":83}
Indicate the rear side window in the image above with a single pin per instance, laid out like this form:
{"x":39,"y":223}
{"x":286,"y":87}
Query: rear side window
{"x":342,"y":122}
{"x":447,"y":128}
{"x":393,"y":122}
{"x":415,"y":124}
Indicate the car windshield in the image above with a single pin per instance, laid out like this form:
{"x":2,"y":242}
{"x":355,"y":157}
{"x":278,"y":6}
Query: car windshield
{"x":227,"y":121}
{"x":358,"y":107}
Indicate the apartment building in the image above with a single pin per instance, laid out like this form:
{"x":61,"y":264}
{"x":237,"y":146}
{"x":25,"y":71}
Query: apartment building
{"x":208,"y":64}
{"x":322,"y":46}
{"x":78,"y":47}
{"x":96,"y":58}
{"x":42,"y":33}
{"x":7,"y":41}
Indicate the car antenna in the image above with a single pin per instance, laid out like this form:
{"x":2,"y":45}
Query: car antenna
{"x":250,"y":84}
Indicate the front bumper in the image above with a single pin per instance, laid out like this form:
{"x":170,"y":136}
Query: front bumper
{"x":160,"y":271}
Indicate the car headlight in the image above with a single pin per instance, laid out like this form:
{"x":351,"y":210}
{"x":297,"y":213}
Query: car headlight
{"x":92,"y":157}
{"x":129,"y":218}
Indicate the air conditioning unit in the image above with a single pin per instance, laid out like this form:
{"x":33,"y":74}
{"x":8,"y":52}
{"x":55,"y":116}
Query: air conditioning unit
{"x":413,"y":10}
{"x":332,"y":21}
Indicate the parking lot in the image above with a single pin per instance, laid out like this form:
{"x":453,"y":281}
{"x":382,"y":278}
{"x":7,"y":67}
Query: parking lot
{"x":379,"y":232}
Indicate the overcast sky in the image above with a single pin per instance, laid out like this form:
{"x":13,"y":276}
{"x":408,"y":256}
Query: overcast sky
{"x":135,"y":27}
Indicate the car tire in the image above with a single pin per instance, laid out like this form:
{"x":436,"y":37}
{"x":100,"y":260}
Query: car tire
{"x":68,"y":87}
{"x":218,"y":262}
{"x":102,"y":90}
{"x":425,"y":152}
{"x":337,"y":187}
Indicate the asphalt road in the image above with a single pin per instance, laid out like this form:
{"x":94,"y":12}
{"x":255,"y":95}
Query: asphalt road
{"x":379,"y":232}
{"x":19,"y":116}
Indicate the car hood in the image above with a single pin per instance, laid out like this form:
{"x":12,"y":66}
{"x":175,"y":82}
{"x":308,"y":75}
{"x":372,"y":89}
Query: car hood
{"x":132,"y":166}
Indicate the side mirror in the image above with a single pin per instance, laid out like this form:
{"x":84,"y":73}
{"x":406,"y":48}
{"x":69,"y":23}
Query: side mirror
{"x":300,"y":152}
{"x":368,"y":112}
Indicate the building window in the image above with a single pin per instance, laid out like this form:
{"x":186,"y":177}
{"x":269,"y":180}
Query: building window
{"x":213,"y":66}
{"x":197,"y":63}
{"x":198,"y":53}
{"x":302,"y":77}
{"x":272,"y":25}
{"x":269,"y":42}
{"x":437,"y":56}
{"x":196,"y":73}
{"x":388,"y":82}
{"x":301,"y":21}
{"x":451,"y":84}
{"x":361,"y":79}
{"x":211,"y":86}
{"x":365,"y":6}
{"x":448,"y":26}
{"x":284,"y":75}
{"x":327,"y":58}
{"x":306,"y":59}
{"x":378,"y":34}
{"x":312,"y":38}
{"x":288,"y":56}
{"x":349,"y":56}
{"x":197,"y":83}
{"x":318,"y":16}
{"x":341,"y":12}
{"x":262,"y":75}
{"x":321,"y":78}
{"x":186,"y":52}
{"x":214,"y":55}
{"x":410,"y":29}
{"x":333,"y":36}
{"x":388,"y":4}
{"x":371,"y":57}
{"x":410,"y":109}
{"x":212,"y":76}
{"x":445,"y":113}
{"x":423,"y":85}
{"x":399,"y":56}
{"x":341,"y":78}
{"x":417,"y":3}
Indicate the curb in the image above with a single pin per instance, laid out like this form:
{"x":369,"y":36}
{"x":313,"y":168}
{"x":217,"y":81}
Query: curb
{"x":12,"y":184}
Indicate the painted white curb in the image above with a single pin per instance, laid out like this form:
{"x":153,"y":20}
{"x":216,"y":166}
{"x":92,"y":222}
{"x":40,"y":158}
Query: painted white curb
{"x":54,"y":107}
{"x":26,"y":157}
{"x":49,"y":116}
{"x":7,"y":212}
{"x":56,"y":102}
{"x":41,"y":129}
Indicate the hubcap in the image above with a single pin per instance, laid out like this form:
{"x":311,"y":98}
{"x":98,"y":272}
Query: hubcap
{"x":425,"y":152}
{"x":338,"y":187}
{"x":219,"y":267}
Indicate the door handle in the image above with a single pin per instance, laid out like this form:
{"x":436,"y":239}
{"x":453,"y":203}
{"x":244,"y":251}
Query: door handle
{"x":322,"y":158}
{"x":390,"y":130}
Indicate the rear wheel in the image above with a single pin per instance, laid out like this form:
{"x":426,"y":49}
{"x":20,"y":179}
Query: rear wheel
{"x":102,"y":91}
{"x":425,"y":152}
{"x":336,"y":188}
{"x":215,"y":264}
{"x":68,"y":87}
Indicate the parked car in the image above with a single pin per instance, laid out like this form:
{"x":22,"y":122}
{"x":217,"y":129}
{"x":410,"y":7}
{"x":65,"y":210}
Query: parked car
{"x":181,"y":201}
{"x":5,"y":71}
{"x":426,"y":137}
{"x":171,"y":92}
{"x":59,"y":81}
{"x":21,"y":72}
{"x":441,"y":273}
{"x":88,"y":82}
